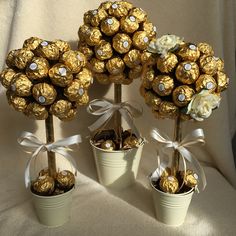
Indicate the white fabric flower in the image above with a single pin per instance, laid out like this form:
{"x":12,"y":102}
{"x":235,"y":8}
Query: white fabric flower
{"x":164,"y":44}
{"x":202,"y":104}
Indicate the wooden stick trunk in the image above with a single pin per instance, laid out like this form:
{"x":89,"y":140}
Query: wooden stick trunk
{"x":117,"y":117}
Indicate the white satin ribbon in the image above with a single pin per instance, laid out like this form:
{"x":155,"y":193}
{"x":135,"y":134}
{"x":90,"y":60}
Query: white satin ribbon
{"x":35,"y":146}
{"x":106,"y":110}
{"x":195,"y":137}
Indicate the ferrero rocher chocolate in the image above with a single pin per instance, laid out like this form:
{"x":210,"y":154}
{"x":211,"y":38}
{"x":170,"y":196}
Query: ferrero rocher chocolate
{"x":135,"y":72}
{"x":118,"y":10}
{"x":139,"y":13}
{"x":205,"y":81}
{"x":222,"y":81}
{"x":44,"y":93}
{"x":219,"y":64}
{"x":10,"y":58}
{"x":105,"y":5}
{"x":85,"y":78}
{"x":6,"y":77}
{"x":96,"y":16}
{"x":126,"y":4}
{"x":163,"y":85}
{"x":152,"y":100}
{"x":37,"y":69}
{"x":208,"y":65}
{"x":149,"y":28}
{"x":92,"y":36}
{"x":60,"y":108}
{"x":188,"y":52}
{"x":65,"y":180}
{"x":74,"y":91}
{"x":115,"y":66}
{"x":68,"y":116}
{"x":62,"y":45}
{"x":140,"y":40}
{"x":182,"y":95}
{"x":168,"y":109}
{"x":166,"y":172}
{"x":97,"y":65}
{"x":60,"y":75}
{"x":132,"y":58}
{"x":43,"y":172}
{"x":121,"y":43}
{"x":43,"y":185}
{"x":32,"y":43}
{"x":48,"y":50}
{"x":22,"y":57}
{"x":169,"y":184}
{"x":108,"y":145}
{"x":102,"y":78}
{"x":18,"y":103}
{"x":129,"y":24}
{"x":110,"y":26}
{"x":205,"y":49}
{"x":147,"y":57}
{"x":86,"y":50}
{"x":190,"y":178}
{"x":167,"y":63}
{"x":83,"y":100}
{"x":131,"y":142}
{"x":21,"y":85}
{"x":36,"y":111}
{"x":187,"y":72}
{"x":103,"y":50}
{"x":147,"y":78}
{"x":120,"y":79}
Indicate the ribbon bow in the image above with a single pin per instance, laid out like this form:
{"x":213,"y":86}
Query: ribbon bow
{"x":195,"y":137}
{"x":36,"y":146}
{"x":107,"y":109}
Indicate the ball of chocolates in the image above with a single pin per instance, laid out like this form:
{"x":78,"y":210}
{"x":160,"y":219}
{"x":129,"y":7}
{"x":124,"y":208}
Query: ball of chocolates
{"x":41,"y":77}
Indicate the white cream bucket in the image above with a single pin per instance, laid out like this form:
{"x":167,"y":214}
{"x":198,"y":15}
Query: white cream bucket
{"x":171,"y":209}
{"x":53,"y":211}
{"x":117,"y":169}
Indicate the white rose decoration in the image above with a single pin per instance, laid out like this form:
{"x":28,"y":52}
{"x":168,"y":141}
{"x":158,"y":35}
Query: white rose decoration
{"x":164,"y":44}
{"x":202,"y":104}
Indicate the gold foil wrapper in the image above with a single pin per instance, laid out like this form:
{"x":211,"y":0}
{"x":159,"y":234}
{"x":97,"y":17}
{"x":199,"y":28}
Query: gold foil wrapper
{"x":22,"y":57}
{"x":97,"y":16}
{"x":150,"y":29}
{"x":75,"y":60}
{"x":83,"y":100}
{"x":43,"y":185}
{"x":129,"y":24}
{"x":187,"y":72}
{"x":108,"y":145}
{"x":169,"y":184}
{"x":10,"y":58}
{"x":48,"y":50}
{"x":36,"y":111}
{"x":168,"y":110}
{"x":163,"y":85}
{"x":120,"y":79}
{"x":85,"y":78}
{"x":205,"y":81}
{"x":182,"y":95}
{"x":106,"y":5}
{"x":110,"y":26}
{"x":167,"y":63}
{"x":147,"y":78}
{"x":139,"y":13}
{"x":135,"y":73}
{"x":86,"y":50}
{"x":60,"y":75}
{"x":62,"y":45}
{"x":65,"y":180}
{"x":6,"y":77}
{"x":32,"y":43}
{"x":219,"y":64}
{"x":208,"y":65}
{"x":166,"y":172}
{"x":18,"y":103}
{"x":104,"y":50}
{"x":118,"y":10}
{"x":92,"y":36}
{"x":74,"y":91}
{"x":69,"y":116}
{"x":115,"y":66}
{"x":60,"y":108}
{"x":121,"y":43}
{"x":44,"y":94}
{"x":188,"y":52}
{"x":131,"y":142}
{"x":21,"y":85}
{"x":126,"y":4}
{"x":97,"y":66}
{"x":132,"y":58}
{"x":140,"y":40}
{"x":148,"y":58}
{"x":152,"y":100}
{"x":102,"y":78}
{"x":84,"y":32}
{"x":190,"y":179}
{"x":222,"y":81}
{"x":205,"y":49}
{"x":43,"y":172}
{"x":37,"y":69}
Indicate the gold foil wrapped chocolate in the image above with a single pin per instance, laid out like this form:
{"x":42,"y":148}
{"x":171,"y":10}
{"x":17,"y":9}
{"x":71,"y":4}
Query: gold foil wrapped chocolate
{"x":37,"y":69}
{"x":18,"y":103}
{"x":182,"y":95}
{"x":104,"y":50}
{"x":74,"y":91}
{"x":86,"y":50}
{"x":83,"y":100}
{"x":163,"y":85}
{"x":21,"y":85}
{"x":65,"y":180}
{"x":168,"y":110}
{"x":147,"y":78}
{"x":222,"y":81}
{"x":62,"y":45}
{"x":92,"y":36}
{"x":139,"y":13}
{"x":131,"y":142}
{"x":166,"y":172}
{"x":43,"y":172}
{"x":85,"y":78}
{"x":110,"y":26}
{"x":169,"y":184}
{"x":36,"y":111}
{"x":205,"y":49}
{"x":121,"y":43}
{"x":219,"y":64}
{"x":69,"y":116}
{"x":60,"y":75}
{"x":48,"y":50}
{"x":22,"y":57}
{"x":190,"y":178}
{"x":102,"y":78}
{"x":108,"y":145}
{"x":60,"y":108}
{"x":188,"y":52}
{"x":149,"y":28}
{"x":152,"y":100}
{"x":10,"y":58}
{"x":32,"y":43}
{"x":187,"y":72}
{"x":140,"y":40}
{"x":120,"y":79}
{"x":129,"y":24}
{"x":97,"y":65}
{"x":135,"y":72}
{"x":118,"y":10}
{"x":205,"y":81}
{"x":167,"y":63}
{"x":6,"y":77}
{"x":148,"y":58}
{"x":208,"y":65}
{"x":96,"y":16}
{"x":115,"y":66}
{"x":126,"y":4}
{"x":132,"y":58}
{"x":43,"y":185}
{"x":105,"y":5}
{"x":44,"y":93}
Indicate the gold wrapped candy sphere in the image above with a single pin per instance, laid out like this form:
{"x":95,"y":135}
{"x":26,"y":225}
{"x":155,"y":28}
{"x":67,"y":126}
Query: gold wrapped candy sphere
{"x":48,"y":77}
{"x":114,"y":39}
{"x":173,"y":76}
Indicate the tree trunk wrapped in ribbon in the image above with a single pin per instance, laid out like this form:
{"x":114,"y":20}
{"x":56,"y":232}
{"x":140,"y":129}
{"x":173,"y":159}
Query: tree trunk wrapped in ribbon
{"x":46,"y":78}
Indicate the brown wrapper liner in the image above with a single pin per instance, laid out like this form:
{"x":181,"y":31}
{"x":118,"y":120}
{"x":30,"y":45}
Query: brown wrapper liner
{"x":182,"y":95}
{"x":163,"y":85}
{"x":142,"y":91}
{"x":110,"y":26}
{"x":43,"y":185}
{"x":115,"y":66}
{"x":121,"y":43}
{"x":104,"y":50}
{"x":120,"y":79}
{"x":169,"y":184}
{"x":168,"y":63}
{"x":205,"y":81}
{"x":6,"y":77}
{"x":65,"y":180}
{"x":36,"y":111}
